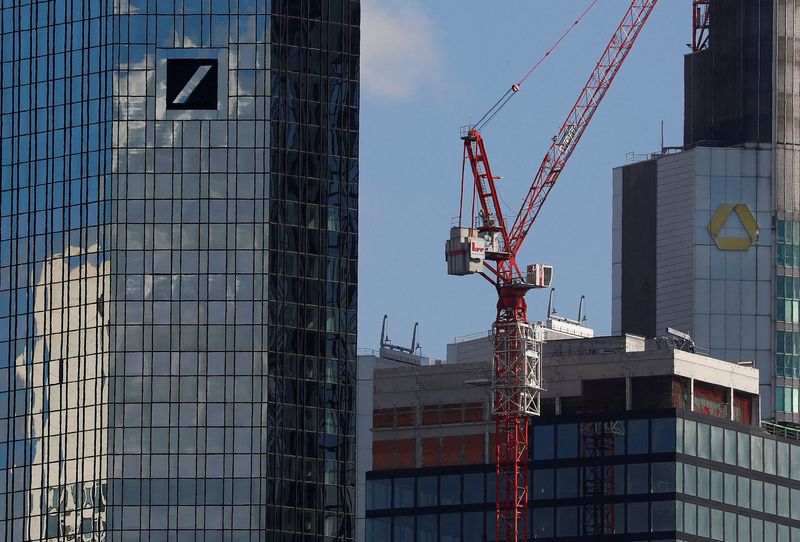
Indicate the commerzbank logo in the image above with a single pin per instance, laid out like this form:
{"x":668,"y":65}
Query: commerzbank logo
{"x":726,"y":212}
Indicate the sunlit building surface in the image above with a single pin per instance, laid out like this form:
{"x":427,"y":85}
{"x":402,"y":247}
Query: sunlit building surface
{"x":178,"y":244}
{"x":706,"y":236}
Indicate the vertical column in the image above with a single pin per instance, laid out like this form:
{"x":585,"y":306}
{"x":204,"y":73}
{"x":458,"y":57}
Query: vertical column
{"x":730,"y":404}
{"x":628,"y":393}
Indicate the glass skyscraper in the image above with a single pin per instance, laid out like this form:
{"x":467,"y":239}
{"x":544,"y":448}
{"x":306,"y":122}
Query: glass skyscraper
{"x":178,"y":243}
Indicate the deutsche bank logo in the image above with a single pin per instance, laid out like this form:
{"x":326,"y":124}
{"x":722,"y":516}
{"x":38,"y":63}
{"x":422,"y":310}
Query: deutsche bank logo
{"x":192,"y":83}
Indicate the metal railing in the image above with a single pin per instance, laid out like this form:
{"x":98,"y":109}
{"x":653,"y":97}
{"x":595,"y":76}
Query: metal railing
{"x":780,"y":430}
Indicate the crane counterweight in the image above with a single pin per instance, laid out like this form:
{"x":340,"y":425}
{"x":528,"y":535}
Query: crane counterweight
{"x":464,"y":252}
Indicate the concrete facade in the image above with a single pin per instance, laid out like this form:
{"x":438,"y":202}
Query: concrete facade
{"x":448,"y":406}
{"x":722,"y":298}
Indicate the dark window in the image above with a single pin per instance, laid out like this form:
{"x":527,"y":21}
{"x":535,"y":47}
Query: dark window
{"x":403,"y":492}
{"x":663,"y":435}
{"x":473,"y":488}
{"x":379,"y":529}
{"x":567,"y":440}
{"x":404,"y":528}
{"x":542,"y":524}
{"x":638,"y":436}
{"x":637,"y":517}
{"x":426,"y":529}
{"x":663,"y":516}
{"x":662,"y":478}
{"x":542,"y":484}
{"x":543,"y":442}
{"x":379,"y":494}
{"x":450,"y":527}
{"x":637,"y":478}
{"x":567,"y":483}
{"x":451,"y":489}
{"x":473,"y":527}
{"x":427,"y":494}
{"x":567,"y":521}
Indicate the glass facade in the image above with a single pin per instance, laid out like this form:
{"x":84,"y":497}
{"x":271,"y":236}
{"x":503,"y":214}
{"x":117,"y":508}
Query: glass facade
{"x":178,"y":269}
{"x":787,"y":244}
{"x":787,"y":315}
{"x":690,"y":478}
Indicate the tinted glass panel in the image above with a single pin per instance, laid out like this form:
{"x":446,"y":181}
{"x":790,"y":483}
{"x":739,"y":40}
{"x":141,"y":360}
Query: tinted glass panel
{"x":427,"y":493}
{"x":403,"y":492}
{"x":450,"y":489}
{"x":663,"y":435}
{"x":638,"y":516}
{"x":567,"y":440}
{"x":543,"y":441}
{"x":638,"y":436}
{"x":543,"y":484}
{"x":567,"y":521}
{"x":637,"y":478}
{"x":473,"y":488}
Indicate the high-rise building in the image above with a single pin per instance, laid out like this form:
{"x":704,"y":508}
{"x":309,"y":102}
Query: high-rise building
{"x":178,"y":227}
{"x":707,"y":236}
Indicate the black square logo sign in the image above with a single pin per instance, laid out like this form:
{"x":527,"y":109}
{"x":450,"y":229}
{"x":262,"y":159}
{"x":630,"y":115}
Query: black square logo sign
{"x":192,"y":83}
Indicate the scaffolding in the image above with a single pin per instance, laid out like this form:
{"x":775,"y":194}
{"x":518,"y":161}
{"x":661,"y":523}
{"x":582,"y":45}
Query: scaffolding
{"x":599,"y":480}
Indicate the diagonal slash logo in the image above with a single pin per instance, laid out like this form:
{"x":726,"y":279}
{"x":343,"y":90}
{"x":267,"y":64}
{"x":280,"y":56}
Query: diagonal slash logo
{"x":191,"y":86}
{"x":192,"y":83}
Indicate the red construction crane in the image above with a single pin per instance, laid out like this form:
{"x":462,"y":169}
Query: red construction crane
{"x":701,"y":24}
{"x":488,"y":246}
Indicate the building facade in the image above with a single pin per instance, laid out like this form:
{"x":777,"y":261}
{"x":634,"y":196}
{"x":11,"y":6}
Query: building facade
{"x":704,"y":239}
{"x":637,"y":441}
{"x":178,"y":242}
{"x":671,"y":270}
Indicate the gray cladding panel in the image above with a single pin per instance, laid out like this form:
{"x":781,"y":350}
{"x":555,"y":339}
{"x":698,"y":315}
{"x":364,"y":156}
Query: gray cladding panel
{"x":787,"y":106}
{"x":674,"y":242}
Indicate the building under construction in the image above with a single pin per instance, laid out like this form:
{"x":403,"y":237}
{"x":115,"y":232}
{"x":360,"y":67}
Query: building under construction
{"x":639,"y":439}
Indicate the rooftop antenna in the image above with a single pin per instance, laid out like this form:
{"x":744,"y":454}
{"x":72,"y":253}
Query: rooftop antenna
{"x":384,"y":338}
{"x":582,"y":310}
{"x":550,"y":309}
{"x":414,"y":344}
{"x":662,"y":137}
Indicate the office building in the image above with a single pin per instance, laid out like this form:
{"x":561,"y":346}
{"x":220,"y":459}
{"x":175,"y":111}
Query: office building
{"x":639,"y":440}
{"x":704,"y":236}
{"x":178,"y":241}
{"x":389,"y":355}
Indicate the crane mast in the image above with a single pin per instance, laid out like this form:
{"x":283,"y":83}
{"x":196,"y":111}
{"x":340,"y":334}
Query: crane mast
{"x":487,"y":246}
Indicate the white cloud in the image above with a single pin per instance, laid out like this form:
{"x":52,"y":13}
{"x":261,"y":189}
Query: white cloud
{"x":399,"y":53}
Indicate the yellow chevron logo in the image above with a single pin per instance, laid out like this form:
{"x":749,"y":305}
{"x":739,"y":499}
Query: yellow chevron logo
{"x":748,"y":221}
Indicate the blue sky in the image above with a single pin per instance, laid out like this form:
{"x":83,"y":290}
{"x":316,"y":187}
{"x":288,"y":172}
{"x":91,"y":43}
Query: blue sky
{"x":429,"y":67}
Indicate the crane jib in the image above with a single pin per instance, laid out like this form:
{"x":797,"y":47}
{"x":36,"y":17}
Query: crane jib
{"x":567,"y":139}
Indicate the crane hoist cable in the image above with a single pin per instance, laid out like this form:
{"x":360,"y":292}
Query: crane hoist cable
{"x":505,"y":98}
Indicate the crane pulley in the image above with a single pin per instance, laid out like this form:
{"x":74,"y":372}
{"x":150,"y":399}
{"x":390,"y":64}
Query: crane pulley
{"x":489,"y":246}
